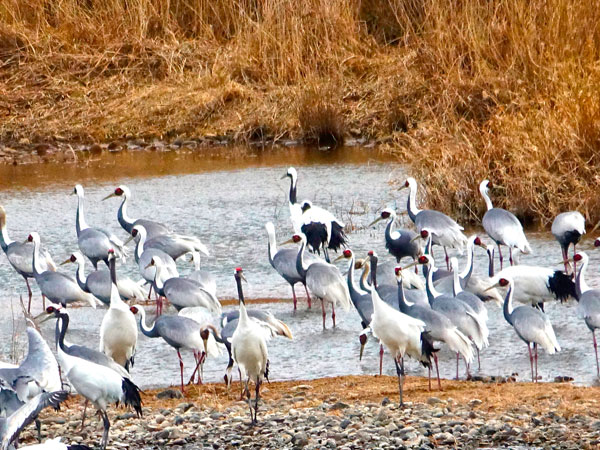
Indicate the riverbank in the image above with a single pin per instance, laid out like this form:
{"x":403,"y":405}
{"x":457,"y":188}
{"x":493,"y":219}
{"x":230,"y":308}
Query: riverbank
{"x":351,"y":412}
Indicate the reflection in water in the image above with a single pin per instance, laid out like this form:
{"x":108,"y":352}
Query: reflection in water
{"x":226,"y":203}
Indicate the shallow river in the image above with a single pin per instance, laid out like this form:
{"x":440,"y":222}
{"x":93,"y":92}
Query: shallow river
{"x":226,"y":202}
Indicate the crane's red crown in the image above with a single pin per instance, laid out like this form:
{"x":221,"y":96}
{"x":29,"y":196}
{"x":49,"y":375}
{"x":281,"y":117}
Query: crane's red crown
{"x":477,"y":241}
{"x":503,"y":282}
{"x":406,"y":184}
{"x":119,"y":191}
{"x":134,"y":232}
{"x":385,"y":214}
{"x":238,"y":269}
{"x":296,"y":238}
{"x":398,"y":270}
{"x":577,"y":257}
{"x":73,"y":258}
{"x":133,"y":309}
{"x":424,"y":233}
{"x":423,"y":259}
{"x":50,"y":309}
{"x":347,"y":253}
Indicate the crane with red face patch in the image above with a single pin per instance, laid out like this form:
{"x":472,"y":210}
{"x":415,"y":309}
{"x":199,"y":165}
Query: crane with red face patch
{"x":400,"y":243}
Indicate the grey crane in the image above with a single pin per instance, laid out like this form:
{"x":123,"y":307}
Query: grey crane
{"x":206,"y":279}
{"x":98,"y":384}
{"x":11,"y":426}
{"x":179,"y":332}
{"x":567,"y":228}
{"x":502,"y":226}
{"x":98,"y":282}
{"x":19,"y":255}
{"x":284,"y":262}
{"x":57,"y":287}
{"x":438,"y":325}
{"x":530,"y":324}
{"x":152,"y":227}
{"x":182,"y":292}
{"x":461,"y":314}
{"x":400,"y":243}
{"x":322,"y":229}
{"x":94,"y":242}
{"x":249,"y":349}
{"x":323,"y":280}
{"x":589,"y":302}
{"x":446,"y":232}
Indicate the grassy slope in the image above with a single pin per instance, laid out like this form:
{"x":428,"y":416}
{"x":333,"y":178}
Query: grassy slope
{"x":462,"y":90}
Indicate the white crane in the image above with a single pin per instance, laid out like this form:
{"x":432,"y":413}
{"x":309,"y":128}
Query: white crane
{"x":502,"y":226}
{"x":568,"y":228}
{"x":55,"y":444}
{"x":118,"y":331}
{"x":249,"y":349}
{"x":445,"y":231}
{"x":530,"y":324}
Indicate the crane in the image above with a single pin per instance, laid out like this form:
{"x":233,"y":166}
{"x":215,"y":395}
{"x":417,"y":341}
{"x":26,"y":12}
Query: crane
{"x":567,"y":228}
{"x":400,"y":243}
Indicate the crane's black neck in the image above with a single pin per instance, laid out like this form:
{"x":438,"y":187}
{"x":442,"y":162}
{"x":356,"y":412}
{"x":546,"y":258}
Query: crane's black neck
{"x":64,"y":320}
{"x":491,"y":263}
{"x":238,"y":282}
{"x":293,"y":197}
{"x":112,"y":265}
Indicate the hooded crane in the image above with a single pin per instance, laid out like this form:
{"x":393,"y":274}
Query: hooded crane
{"x":20,"y":257}
{"x":182,"y":292}
{"x":322,"y":229}
{"x":118,"y":331}
{"x":400,"y":243}
{"x":152,"y":227}
{"x":98,"y":282}
{"x":438,"y":325}
{"x":323,"y":280}
{"x":57,"y":287}
{"x":11,"y":426}
{"x":401,"y":334}
{"x":502,"y":226}
{"x":249,"y":349}
{"x":179,"y":332}
{"x":445,"y":231}
{"x":567,"y":228}
{"x":530,"y":324}
{"x":94,"y":242}
{"x":589,"y":302}
{"x":459,"y":313}
{"x":98,"y":384}
{"x":284,"y":262}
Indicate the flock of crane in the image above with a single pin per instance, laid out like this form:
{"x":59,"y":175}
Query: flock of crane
{"x":408,"y":315}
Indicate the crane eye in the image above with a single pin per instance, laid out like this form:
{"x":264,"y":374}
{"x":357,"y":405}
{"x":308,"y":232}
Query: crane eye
{"x":134,"y":232}
{"x":363,"y":339}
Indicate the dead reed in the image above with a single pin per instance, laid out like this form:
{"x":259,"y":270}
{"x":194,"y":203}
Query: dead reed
{"x":461,"y":90}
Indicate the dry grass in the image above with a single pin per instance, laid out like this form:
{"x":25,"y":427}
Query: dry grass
{"x":462,"y":90}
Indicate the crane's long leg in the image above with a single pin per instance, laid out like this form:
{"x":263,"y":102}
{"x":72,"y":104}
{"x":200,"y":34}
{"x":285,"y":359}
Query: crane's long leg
{"x":150,"y":291}
{"x":447,"y":258}
{"x":29,"y":293}
{"x":500,"y":255}
{"x":256,"y":398}
{"x":380,"y":359}
{"x":574,"y":262}
{"x":181,"y":370}
{"x":199,"y":361}
{"x":478,"y":361}
{"x":510,"y":258}
{"x":400,"y":373}
{"x":308,"y":297}
{"x":535,"y":348}
{"x":43,"y":302}
{"x":247,"y":392}
{"x":429,"y":377}
{"x":457,"y":357}
{"x":323,"y":309}
{"x":530,"y":360}
{"x":83,"y":415}
{"x":106,"y":428}
{"x":333,"y":314}
{"x":565,"y":256}
{"x":596,"y":350}
{"x":437,"y":371}
{"x":294,"y":297}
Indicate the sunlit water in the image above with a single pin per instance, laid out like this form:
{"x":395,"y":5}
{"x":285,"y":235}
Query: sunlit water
{"x":226,"y":204}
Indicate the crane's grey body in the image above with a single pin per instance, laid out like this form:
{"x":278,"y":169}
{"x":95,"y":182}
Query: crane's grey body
{"x":144,"y":257}
{"x":175,"y":245}
{"x":399,"y":243}
{"x":206,"y":279}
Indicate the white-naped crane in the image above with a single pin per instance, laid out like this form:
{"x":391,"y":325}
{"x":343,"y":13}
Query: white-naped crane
{"x":249,"y":349}
{"x":401,"y":334}
{"x":322,"y":229}
{"x":11,"y":426}
{"x":118,"y":331}
{"x":98,"y":384}
{"x":568,"y":228}
{"x":283,"y":260}
{"x":174,"y":245}
{"x":179,"y":332}
{"x":438,"y":325}
{"x":530,"y":324}
{"x":98,"y":282}
{"x":206,"y":279}
{"x":94,"y":242}
{"x":400,"y":243}
{"x":182,"y":292}
{"x":589,"y":302}
{"x":535,"y":285}
{"x":459,"y":313}
{"x":152,"y":227}
{"x":55,"y":286}
{"x":55,"y":444}
{"x":19,"y":255}
{"x":323,"y":280}
{"x":445,"y":231}
{"x":502,"y":226}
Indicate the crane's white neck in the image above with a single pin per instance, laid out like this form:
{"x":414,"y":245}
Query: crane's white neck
{"x":80,"y":223}
{"x":484,"y":193}
{"x":139,"y":247}
{"x":582,"y":285}
{"x":412,"y":201}
{"x":429,"y":284}
{"x":300,"y":266}
{"x":158,"y":282}
{"x":37,"y":269}
{"x":244,"y":319}
{"x":364,"y":285}
{"x":351,"y":282}
{"x":5,"y":241}
{"x":455,"y":280}
{"x":196,"y":258}
{"x":466,"y":272}
{"x":272,"y":243}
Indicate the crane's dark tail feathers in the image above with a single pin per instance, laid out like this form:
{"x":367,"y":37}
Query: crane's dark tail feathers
{"x":78,"y":447}
{"x":562,"y":286}
{"x":427,"y":348}
{"x":338,"y":237}
{"x":316,"y":235}
{"x":132,"y":396}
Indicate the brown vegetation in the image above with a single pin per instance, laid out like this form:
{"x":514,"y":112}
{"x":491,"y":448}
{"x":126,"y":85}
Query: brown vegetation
{"x":462,"y":90}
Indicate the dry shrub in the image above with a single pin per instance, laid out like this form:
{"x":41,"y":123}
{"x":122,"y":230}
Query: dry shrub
{"x":320,"y":118}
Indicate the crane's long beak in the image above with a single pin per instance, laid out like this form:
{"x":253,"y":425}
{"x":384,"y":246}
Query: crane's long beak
{"x":109,"y":196}
{"x":418,"y":236}
{"x":149,"y":264}
{"x":412,"y":264}
{"x":283,"y":176}
{"x":66,"y":261}
{"x":375,"y":221}
{"x":565,"y":261}
{"x":289,"y":241}
{"x":491,"y":287}
{"x":338,"y":258}
{"x":128,"y":240}
{"x":243,"y":277}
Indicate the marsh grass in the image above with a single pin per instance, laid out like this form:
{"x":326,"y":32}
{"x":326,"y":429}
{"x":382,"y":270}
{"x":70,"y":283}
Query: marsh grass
{"x":506,"y":90}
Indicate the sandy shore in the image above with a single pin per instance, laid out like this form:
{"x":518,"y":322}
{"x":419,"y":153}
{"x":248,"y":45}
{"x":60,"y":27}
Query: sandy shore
{"x":348,"y":412}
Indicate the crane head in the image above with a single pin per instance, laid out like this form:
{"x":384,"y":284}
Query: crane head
{"x":134,"y":309}
{"x":363,"y":341}
{"x":479,"y":242}
{"x":347,"y":253}
{"x":578,"y":257}
{"x":597,"y":243}
{"x":398,"y":271}
{"x":306,"y":205}
{"x":239,"y":273}
{"x":503,"y":282}
{"x":71,"y":259}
